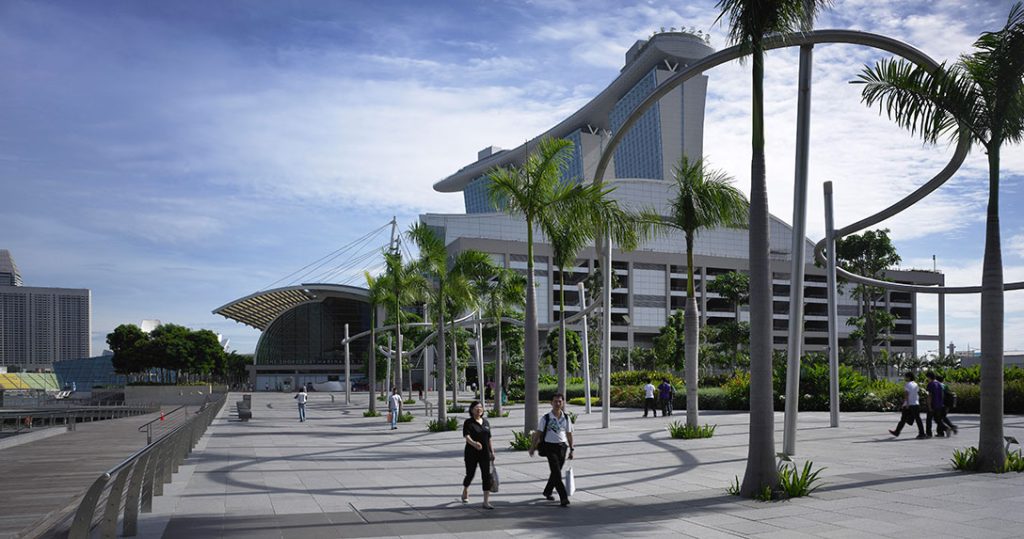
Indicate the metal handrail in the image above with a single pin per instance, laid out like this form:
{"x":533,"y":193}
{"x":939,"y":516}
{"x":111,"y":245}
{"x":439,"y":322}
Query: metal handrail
{"x":148,"y":426}
{"x":129,"y":487}
{"x":24,"y":419}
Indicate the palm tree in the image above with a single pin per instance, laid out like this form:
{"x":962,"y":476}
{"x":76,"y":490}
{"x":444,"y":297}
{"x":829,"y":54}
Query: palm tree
{"x":982,"y":93}
{"x":504,"y":291}
{"x":402,"y":282}
{"x":450,"y":287}
{"x":378,"y":295}
{"x":750,"y":22}
{"x":704,"y":198}
{"x":535,"y":191}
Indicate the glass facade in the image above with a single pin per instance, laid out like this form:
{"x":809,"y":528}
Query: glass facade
{"x":477,"y":198}
{"x":639,"y":154}
{"x":311,"y":334}
{"x":574,"y":173}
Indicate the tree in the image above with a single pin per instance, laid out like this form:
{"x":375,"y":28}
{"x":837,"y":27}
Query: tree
{"x":981,"y":93}
{"x":734,"y":287}
{"x":563,"y":352}
{"x":869,"y":254}
{"x":404,"y":284}
{"x":504,"y":291}
{"x":447,"y":288}
{"x":128,"y":343}
{"x":536,"y":192}
{"x":670,"y":343}
{"x":750,"y":22}
{"x":704,"y":198}
{"x":378,"y":295}
{"x":208,"y":355}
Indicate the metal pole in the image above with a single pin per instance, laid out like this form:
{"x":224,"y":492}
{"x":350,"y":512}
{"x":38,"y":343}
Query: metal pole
{"x":348,"y":373}
{"x":586,"y":349}
{"x":796,"y":274}
{"x":833,"y":315}
{"x":606,"y":335}
{"x":387,"y":377}
{"x":481,"y":379}
{"x":942,"y":325}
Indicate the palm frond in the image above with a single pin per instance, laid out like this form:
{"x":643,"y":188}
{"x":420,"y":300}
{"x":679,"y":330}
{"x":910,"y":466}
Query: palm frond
{"x":750,"y":21}
{"x":705,"y":198}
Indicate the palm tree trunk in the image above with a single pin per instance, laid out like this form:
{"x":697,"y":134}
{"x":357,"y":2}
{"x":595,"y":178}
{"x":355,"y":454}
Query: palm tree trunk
{"x":372,"y":359}
{"x":561,"y":332}
{"x":440,"y":366}
{"x":991,"y":453}
{"x":690,"y":323}
{"x":760,"y":471}
{"x":531,"y":361}
{"x":498,"y":374}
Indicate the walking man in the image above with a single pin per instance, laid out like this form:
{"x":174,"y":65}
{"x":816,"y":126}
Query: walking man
{"x":394,"y":407}
{"x":552,"y":439}
{"x":911,"y":407}
{"x":302,"y":397}
{"x":936,"y":407}
{"x":666,"y":392}
{"x":649,"y":399}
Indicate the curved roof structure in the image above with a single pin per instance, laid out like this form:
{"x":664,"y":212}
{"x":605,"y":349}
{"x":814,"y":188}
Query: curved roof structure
{"x":677,"y":46}
{"x":259,"y":310}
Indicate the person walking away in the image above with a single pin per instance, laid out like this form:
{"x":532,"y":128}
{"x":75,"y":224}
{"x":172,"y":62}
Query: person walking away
{"x":936,"y":407}
{"x":649,"y":399}
{"x":948,"y":402}
{"x":302,"y":397}
{"x":911,"y":407}
{"x":479,"y":452}
{"x":394,"y":407}
{"x":552,"y":439}
{"x":666,"y":392}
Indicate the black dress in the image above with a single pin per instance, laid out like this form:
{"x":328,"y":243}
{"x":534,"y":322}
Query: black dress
{"x":478,"y":432}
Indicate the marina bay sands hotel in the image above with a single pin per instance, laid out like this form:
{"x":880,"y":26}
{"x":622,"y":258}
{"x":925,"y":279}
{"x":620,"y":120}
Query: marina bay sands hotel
{"x":302,"y":325}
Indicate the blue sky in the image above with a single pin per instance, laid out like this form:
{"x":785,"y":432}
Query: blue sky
{"x":174,"y":156}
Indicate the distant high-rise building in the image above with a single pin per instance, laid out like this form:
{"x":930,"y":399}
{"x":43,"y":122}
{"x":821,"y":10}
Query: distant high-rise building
{"x":40,"y":325}
{"x":9,"y":275}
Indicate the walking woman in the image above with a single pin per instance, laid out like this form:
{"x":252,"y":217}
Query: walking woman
{"x":479,"y":451}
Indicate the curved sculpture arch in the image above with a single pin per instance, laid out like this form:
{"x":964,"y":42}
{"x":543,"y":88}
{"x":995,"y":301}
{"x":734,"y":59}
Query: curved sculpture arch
{"x":851,"y":37}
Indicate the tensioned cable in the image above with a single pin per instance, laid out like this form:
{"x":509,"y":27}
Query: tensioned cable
{"x":361,"y":253}
{"x":340,"y":249}
{"x":350,"y":264}
{"x":307,"y":276}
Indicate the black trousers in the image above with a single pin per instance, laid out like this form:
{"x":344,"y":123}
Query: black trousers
{"x":474,"y":458}
{"x":556,"y":459}
{"x":910,"y":415}
{"x":666,"y":406}
{"x":649,"y":405}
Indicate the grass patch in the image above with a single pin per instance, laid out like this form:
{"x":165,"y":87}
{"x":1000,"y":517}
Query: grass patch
{"x":371,"y":413}
{"x":405,"y":417}
{"x":438,"y":426}
{"x":678,"y":429}
{"x":734,"y":488}
{"x":965,"y":460}
{"x":520,"y":441}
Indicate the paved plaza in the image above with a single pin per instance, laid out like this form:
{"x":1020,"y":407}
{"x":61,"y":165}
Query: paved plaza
{"x":342,"y":475}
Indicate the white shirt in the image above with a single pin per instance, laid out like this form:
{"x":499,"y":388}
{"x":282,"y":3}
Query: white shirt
{"x":394,"y":402}
{"x":649,"y":390}
{"x":557,"y":428}
{"x":301,"y":397}
{"x":913,"y":399}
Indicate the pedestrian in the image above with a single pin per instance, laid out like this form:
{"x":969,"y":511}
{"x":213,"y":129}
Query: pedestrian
{"x":936,"y":407}
{"x":553,"y":439}
{"x":911,"y":409}
{"x":948,"y":403}
{"x":302,"y":397}
{"x":649,"y":399}
{"x":394,"y":407}
{"x":478,"y":453}
{"x":666,"y":392}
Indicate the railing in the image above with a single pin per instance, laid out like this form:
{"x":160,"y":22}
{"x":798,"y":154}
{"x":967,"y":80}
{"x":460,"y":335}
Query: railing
{"x":128,"y":488}
{"x":148,"y":426}
{"x":20,"y":420}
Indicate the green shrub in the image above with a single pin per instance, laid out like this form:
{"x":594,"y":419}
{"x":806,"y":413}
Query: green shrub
{"x":572,"y":416}
{"x":627,"y":396}
{"x":1015,"y":461}
{"x":409,"y":401}
{"x":966,"y":460}
{"x":708,"y":398}
{"x":582,"y":401}
{"x":968,"y":398}
{"x":437,"y":426}
{"x":371,"y":413}
{"x":492,"y":413}
{"x":1013,"y":397}
{"x":572,"y":391}
{"x":737,"y":391}
{"x":678,"y":429}
{"x":520,"y":441}
{"x":795,"y":484}
{"x":734,"y":488}
{"x":639,"y":378}
{"x":456,"y":409}
{"x":405,"y":417}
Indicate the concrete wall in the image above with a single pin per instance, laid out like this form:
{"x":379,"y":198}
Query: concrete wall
{"x":171,"y":395}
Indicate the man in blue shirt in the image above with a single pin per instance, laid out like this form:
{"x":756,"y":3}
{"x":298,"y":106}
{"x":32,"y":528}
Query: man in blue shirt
{"x":936,"y":406}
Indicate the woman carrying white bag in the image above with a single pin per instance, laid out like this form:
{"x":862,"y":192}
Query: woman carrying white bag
{"x":553,"y":439}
